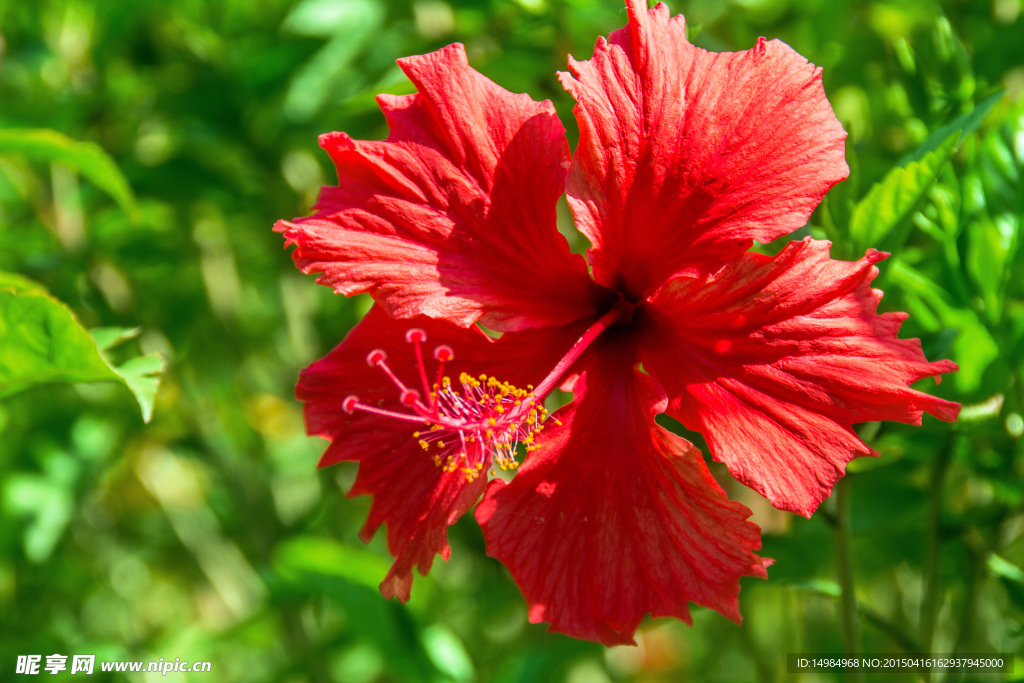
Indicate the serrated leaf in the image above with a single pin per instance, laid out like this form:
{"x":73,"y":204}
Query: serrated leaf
{"x":107,"y":338}
{"x":87,"y":158}
{"x":892,"y":200}
{"x":41,"y":341}
{"x":142,"y":375}
{"x":16,"y":283}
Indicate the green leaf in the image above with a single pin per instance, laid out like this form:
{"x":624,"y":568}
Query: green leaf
{"x":107,"y":338}
{"x":890,"y":201}
{"x":1011,"y":576}
{"x":447,"y":653}
{"x":350,"y":576}
{"x":49,"y":505}
{"x":329,"y":75}
{"x":989,"y":248}
{"x":41,"y":341}
{"x":820,"y":586}
{"x":16,"y":283}
{"x":965,"y":124}
{"x":142,"y":375}
{"x":325,"y":18}
{"x":973,"y":349}
{"x":86,"y":158}
{"x":324,"y":556}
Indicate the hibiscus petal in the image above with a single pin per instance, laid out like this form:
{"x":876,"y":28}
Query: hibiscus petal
{"x":453,"y":216}
{"x":774,"y":359}
{"x":416,"y":499}
{"x":685,"y":155}
{"x":614,"y":517}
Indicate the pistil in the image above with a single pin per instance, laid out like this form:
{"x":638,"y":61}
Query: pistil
{"x":480,"y":420}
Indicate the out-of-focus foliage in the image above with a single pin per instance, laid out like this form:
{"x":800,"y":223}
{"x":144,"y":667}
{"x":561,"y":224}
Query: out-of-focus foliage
{"x":209,"y":535}
{"x":86,"y":158}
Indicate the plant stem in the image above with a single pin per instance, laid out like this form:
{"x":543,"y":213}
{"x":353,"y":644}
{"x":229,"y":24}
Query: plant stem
{"x":765,"y":673}
{"x":933,"y":549}
{"x":844,"y":568}
{"x":976,"y":553}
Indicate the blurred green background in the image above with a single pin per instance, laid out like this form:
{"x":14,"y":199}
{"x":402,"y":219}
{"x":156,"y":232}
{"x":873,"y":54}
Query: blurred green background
{"x":208,"y":534}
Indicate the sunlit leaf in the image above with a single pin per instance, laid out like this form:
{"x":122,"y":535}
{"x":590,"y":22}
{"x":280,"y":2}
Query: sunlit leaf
{"x":47,"y":503}
{"x":329,"y":74}
{"x":447,"y":652}
{"x":41,"y":341}
{"x":326,"y":17}
{"x":107,"y":338}
{"x":142,"y":375}
{"x":819,"y":586}
{"x":86,"y":158}
{"x":1011,"y":576}
{"x":16,"y":283}
{"x":890,"y":201}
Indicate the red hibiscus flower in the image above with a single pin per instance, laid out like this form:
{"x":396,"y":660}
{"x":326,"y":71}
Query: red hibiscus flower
{"x":685,"y":157}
